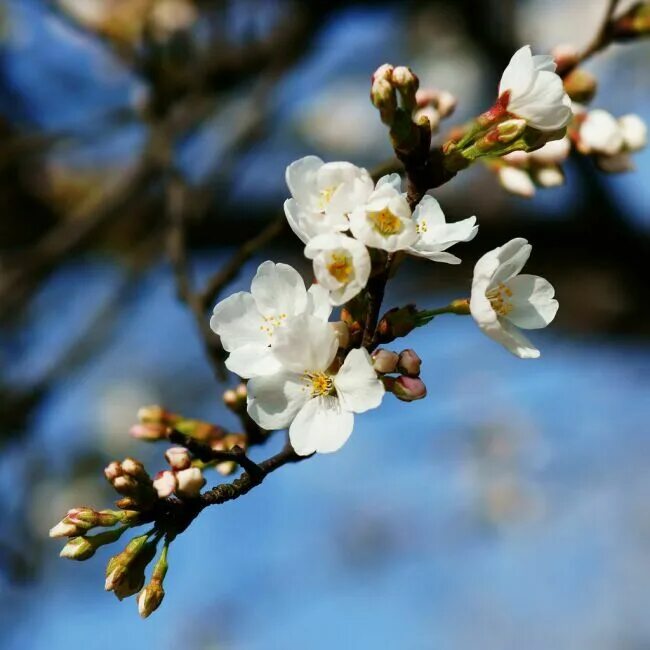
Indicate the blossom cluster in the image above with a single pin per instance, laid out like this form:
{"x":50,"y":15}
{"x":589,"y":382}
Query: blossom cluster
{"x":303,"y":372}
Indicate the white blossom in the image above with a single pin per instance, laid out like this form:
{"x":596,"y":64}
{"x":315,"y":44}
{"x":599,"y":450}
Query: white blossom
{"x":385,"y":220}
{"x":516,"y":181}
{"x":435,"y":235}
{"x":307,"y":395}
{"x":634,"y":132}
{"x":535,"y":91}
{"x":548,"y":176}
{"x":323,"y":194}
{"x":553,"y":152}
{"x":600,"y":133}
{"x":341,"y":265}
{"x":190,"y":482}
{"x":502,"y":300}
{"x":247,"y":322}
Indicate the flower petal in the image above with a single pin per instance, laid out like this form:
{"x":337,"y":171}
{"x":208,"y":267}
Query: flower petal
{"x":357,"y":384}
{"x":296,"y":217}
{"x":532,"y":300}
{"x":301,"y":179}
{"x":237,"y":321}
{"x":505,"y":333}
{"x":512,"y":257}
{"x":306,"y":344}
{"x":252,"y":361}
{"x":318,"y":303}
{"x":518,"y":75}
{"x":320,"y":426}
{"x":278,"y":289}
{"x":273,"y":401}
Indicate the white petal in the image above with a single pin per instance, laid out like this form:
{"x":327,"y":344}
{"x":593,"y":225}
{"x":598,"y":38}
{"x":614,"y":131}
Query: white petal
{"x":279,"y":289}
{"x":634,"y":131}
{"x":516,"y":181}
{"x":301,"y":179}
{"x":273,"y":401}
{"x":503,"y":332}
{"x":518,"y":75}
{"x":532,"y":301}
{"x":296,"y":216}
{"x":429,"y":210}
{"x":318,"y":303}
{"x":512,"y":257}
{"x":435,"y":256}
{"x":320,"y":426}
{"x":305,"y":344}
{"x":601,"y":133}
{"x":392,"y":180}
{"x":237,"y":321}
{"x":357,"y":384}
{"x":363,"y":229}
{"x":252,"y":361}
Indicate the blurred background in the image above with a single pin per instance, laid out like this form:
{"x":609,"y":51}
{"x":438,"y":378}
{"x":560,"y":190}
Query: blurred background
{"x":509,"y":510}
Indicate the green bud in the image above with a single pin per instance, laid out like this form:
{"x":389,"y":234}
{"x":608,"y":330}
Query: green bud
{"x":118,"y":567}
{"x":82,"y":548}
{"x":150,"y":598}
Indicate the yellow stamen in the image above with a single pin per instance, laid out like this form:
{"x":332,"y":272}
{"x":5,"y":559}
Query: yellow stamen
{"x":326,"y":196}
{"x":499,"y":299}
{"x":385,"y":222}
{"x":340,"y":267}
{"x":321,"y":384}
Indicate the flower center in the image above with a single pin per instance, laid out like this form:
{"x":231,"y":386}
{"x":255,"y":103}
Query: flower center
{"x":340,"y":267}
{"x":271,"y":323}
{"x":422,"y":226}
{"x":320,"y":383}
{"x":385,"y":222}
{"x":499,"y":298}
{"x":325,"y":196}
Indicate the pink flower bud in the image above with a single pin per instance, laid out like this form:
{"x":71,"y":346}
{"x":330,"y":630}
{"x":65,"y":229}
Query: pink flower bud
{"x":230,"y":398}
{"x":178,"y":458}
{"x":190,"y":482}
{"x":165,"y":483}
{"x":409,"y":389}
{"x":112,"y":471}
{"x":409,"y":363}
{"x":384,"y":361}
{"x":148,"y":431}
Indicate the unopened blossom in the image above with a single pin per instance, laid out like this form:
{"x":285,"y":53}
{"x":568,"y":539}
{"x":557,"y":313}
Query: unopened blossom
{"x":341,"y":265}
{"x":531,"y":89}
{"x":385,"y":220}
{"x":435,"y":235}
{"x":323,"y":194}
{"x":516,"y":181}
{"x":165,"y":483}
{"x":502,"y":300}
{"x":548,"y":176}
{"x":190,"y":482}
{"x":247,"y":322}
{"x":600,"y":133}
{"x":634,"y":131}
{"x":317,"y":402}
{"x":553,"y":152}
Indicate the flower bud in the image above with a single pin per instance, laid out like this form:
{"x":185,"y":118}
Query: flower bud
{"x":600,"y":133}
{"x":135,"y":469}
{"x":190,"y":482}
{"x":149,"y":432}
{"x":65,"y":529}
{"x":516,"y":181}
{"x":165,"y":483}
{"x":510,"y":130}
{"x":125,"y":571}
{"x":178,"y":458}
{"x":383,"y":98}
{"x":384,"y":71}
{"x":408,"y":389}
{"x":548,"y":176}
{"x":430,"y":113}
{"x":409,"y":363}
{"x":83,"y":548}
{"x":566,"y":56}
{"x":125,"y":485}
{"x":553,"y":152}
{"x":112,"y":471}
{"x":150,"y":598}
{"x":384,"y":361}
{"x":635,"y":132}
{"x":342,"y":333}
{"x":580,"y":85}
{"x":445,"y":103}
{"x":407,"y":83}
{"x":230,"y":398}
{"x":242,"y":392}
{"x":397,"y":322}
{"x":152,"y":415}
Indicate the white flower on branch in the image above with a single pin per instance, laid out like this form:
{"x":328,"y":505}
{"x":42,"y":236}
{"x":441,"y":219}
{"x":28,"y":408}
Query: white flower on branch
{"x":247,"y":322}
{"x":341,"y":265}
{"x":503,"y":301}
{"x":634,"y":131}
{"x":516,"y":181}
{"x":600,"y":133}
{"x":435,"y":235}
{"x":308,"y":395}
{"x":323,"y":195}
{"x":534,"y":91}
{"x":385,"y":220}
